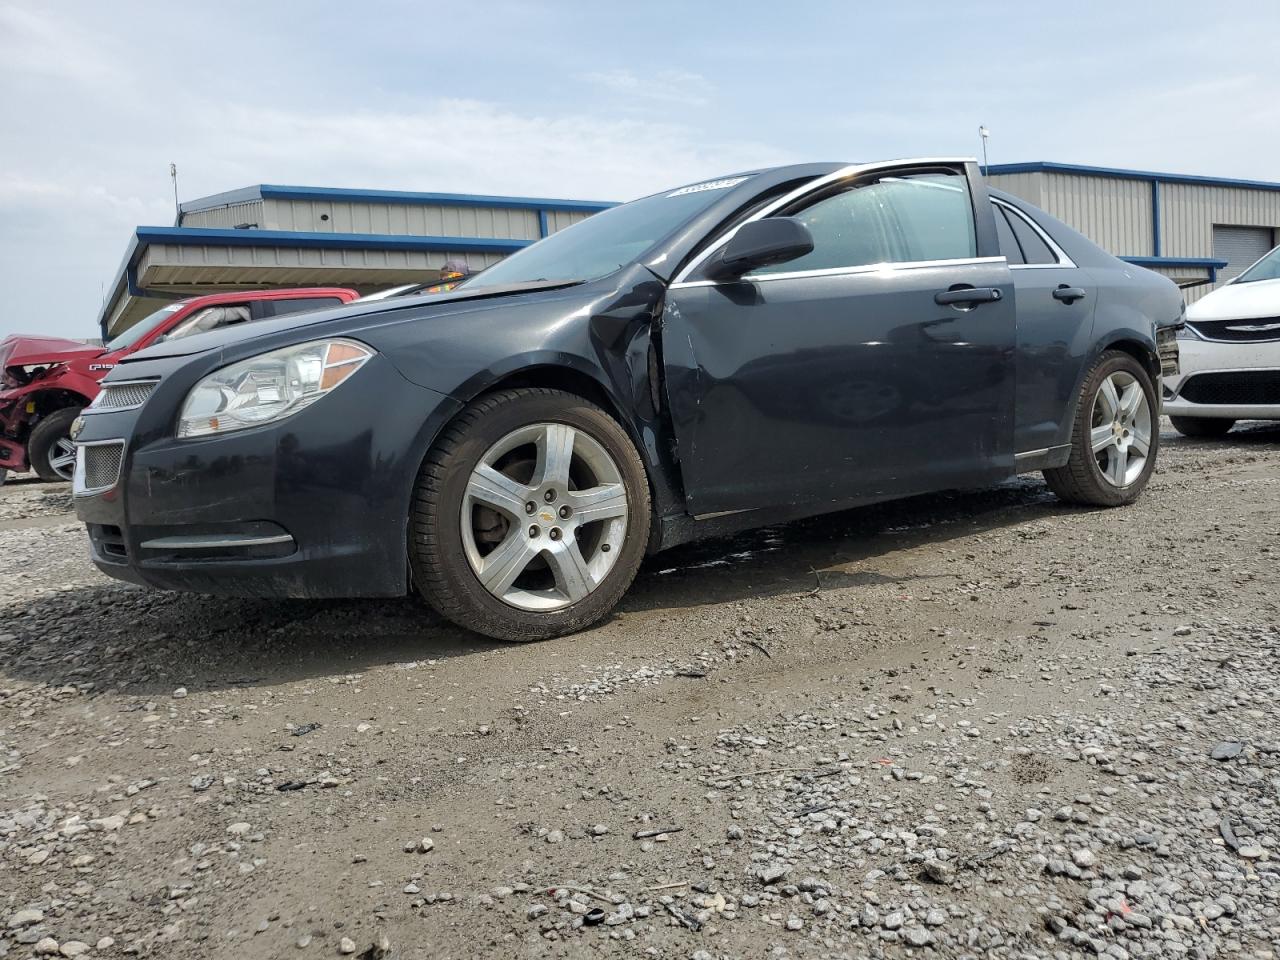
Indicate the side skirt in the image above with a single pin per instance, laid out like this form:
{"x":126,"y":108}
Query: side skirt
{"x":1043,"y":459}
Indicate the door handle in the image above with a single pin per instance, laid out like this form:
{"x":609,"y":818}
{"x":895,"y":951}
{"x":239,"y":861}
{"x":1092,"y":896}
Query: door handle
{"x":966,"y":296}
{"x":1068,"y":294}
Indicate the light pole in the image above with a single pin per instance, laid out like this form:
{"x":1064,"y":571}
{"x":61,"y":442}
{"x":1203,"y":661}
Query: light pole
{"x":177,"y":208}
{"x":984,"y":133}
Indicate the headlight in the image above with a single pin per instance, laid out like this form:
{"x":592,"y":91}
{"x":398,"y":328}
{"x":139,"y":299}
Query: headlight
{"x":268,"y":387}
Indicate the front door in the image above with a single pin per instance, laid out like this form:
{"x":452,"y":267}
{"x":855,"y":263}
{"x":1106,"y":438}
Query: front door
{"x":878,"y":365}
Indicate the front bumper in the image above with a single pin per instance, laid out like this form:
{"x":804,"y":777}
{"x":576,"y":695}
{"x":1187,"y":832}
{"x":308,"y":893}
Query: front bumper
{"x":315,"y":505}
{"x":1236,"y":381}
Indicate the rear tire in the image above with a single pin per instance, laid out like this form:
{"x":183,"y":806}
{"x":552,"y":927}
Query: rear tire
{"x":542,"y":494}
{"x":1115,"y":436}
{"x":1202,"y":426}
{"x":49,"y":449}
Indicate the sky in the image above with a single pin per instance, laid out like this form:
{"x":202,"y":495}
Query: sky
{"x":594,"y":100}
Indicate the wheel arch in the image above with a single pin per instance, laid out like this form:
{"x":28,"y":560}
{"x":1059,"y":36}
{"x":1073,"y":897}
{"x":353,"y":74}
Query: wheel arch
{"x":573,"y":375}
{"x":1141,"y":350}
{"x":553,"y":376}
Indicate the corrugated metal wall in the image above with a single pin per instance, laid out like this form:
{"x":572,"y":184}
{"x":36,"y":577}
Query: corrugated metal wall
{"x":1189,"y":211}
{"x":1113,"y":213}
{"x":1116,"y":213}
{"x":559,"y":219}
{"x":1024,"y":185}
{"x":227,"y":217}
{"x":419,"y":220}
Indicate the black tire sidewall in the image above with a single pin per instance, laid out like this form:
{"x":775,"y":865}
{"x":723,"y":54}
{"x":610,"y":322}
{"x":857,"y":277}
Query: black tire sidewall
{"x":44,"y":436}
{"x":1106,"y":491}
{"x":443,"y":554}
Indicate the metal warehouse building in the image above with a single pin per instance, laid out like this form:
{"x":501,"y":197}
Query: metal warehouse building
{"x":276,"y":236}
{"x":1199,"y":231}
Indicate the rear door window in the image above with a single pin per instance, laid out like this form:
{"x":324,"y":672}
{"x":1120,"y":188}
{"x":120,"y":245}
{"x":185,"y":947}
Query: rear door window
{"x":1034,"y":249}
{"x":1008,"y":242}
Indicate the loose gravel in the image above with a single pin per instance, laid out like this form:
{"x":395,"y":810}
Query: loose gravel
{"x":966,"y":725}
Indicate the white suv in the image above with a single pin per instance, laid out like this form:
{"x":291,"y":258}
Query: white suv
{"x":1230,"y":355}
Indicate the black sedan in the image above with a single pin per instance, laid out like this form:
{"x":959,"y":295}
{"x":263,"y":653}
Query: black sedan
{"x":732,"y":353}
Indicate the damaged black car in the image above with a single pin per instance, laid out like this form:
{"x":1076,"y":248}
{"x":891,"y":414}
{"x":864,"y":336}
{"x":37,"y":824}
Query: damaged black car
{"x":732,"y":353}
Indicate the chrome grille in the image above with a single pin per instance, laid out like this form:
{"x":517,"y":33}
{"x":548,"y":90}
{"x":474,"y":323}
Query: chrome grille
{"x":98,"y":465}
{"x":1259,"y":329}
{"x":123,"y":395}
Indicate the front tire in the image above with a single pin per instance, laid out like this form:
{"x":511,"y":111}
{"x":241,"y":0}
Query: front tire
{"x":1115,"y":436}
{"x":49,"y":449}
{"x":530,"y":516}
{"x":1202,"y":426}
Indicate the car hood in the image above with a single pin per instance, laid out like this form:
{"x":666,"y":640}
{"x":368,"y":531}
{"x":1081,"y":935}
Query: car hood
{"x":30,"y":351}
{"x":216,"y":339}
{"x":1238,"y":301}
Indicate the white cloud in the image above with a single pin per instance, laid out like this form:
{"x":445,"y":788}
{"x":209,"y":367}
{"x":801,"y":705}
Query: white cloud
{"x":665,"y":86}
{"x":43,"y":43}
{"x":80,"y":208}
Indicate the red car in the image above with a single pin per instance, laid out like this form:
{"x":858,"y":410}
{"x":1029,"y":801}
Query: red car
{"x":46,"y":381}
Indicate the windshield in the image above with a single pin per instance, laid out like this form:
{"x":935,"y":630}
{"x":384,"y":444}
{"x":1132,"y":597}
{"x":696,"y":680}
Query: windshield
{"x":1268,"y":268}
{"x":143,"y":327}
{"x":602,"y":243}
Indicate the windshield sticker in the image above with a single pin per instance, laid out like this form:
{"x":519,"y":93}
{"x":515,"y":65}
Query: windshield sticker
{"x":709,"y":185}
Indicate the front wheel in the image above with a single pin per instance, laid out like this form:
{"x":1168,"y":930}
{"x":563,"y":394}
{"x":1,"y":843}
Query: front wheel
{"x":49,"y":449}
{"x":1114,"y":439}
{"x":531,"y":516}
{"x":1202,"y":426}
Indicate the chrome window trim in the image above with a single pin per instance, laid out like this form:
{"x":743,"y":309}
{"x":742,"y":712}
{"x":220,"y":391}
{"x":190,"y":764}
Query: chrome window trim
{"x":843,"y":271}
{"x":93,"y":408}
{"x":78,"y":489}
{"x":799,"y":193}
{"x":1064,"y":261}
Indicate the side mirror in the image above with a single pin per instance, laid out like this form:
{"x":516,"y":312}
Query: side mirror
{"x":761,"y":243}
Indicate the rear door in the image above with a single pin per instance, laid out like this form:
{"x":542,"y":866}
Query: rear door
{"x":879,"y":365}
{"x":1056,"y":301}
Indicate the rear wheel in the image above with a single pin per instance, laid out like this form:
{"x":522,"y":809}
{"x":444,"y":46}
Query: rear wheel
{"x":1114,"y":440}
{"x":1202,"y":426}
{"x":49,"y":449}
{"x":531,"y":516}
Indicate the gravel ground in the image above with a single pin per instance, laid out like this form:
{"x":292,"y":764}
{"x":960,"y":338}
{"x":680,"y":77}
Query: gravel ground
{"x":975,"y":724}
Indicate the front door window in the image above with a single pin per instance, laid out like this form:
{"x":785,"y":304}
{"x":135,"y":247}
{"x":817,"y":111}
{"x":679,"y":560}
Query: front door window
{"x":894,"y":219}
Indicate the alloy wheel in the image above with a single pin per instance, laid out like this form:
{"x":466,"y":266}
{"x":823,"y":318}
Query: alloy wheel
{"x":544,"y":516}
{"x":62,"y":457}
{"x":1121,"y":429}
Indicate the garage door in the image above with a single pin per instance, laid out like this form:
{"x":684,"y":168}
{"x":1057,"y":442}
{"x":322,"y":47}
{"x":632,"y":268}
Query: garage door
{"x":1239,"y":246}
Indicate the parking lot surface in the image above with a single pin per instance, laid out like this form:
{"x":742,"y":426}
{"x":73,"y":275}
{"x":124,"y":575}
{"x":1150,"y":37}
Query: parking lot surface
{"x":973,"y":724}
